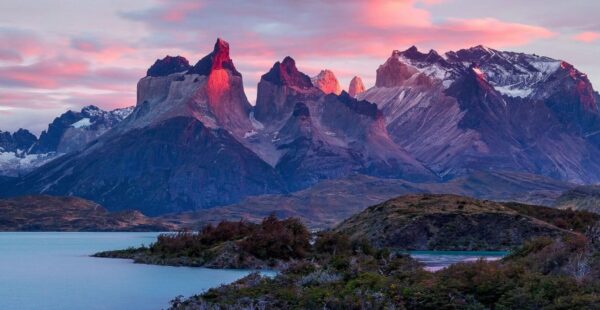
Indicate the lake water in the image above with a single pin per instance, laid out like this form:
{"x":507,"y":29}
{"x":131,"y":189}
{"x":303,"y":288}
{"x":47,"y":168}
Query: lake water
{"x":436,"y":260}
{"x":54,"y":271}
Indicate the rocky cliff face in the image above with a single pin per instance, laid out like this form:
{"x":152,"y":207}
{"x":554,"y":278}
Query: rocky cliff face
{"x":310,"y":136}
{"x":20,"y":140}
{"x":168,"y":66}
{"x":211,"y":91}
{"x":178,"y":150}
{"x":356,"y":86}
{"x":280,"y":89}
{"x":502,"y":110}
{"x":327,"y":82}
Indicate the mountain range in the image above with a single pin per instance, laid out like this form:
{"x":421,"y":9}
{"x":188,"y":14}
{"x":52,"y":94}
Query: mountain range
{"x":193,"y":140}
{"x":22,"y":151}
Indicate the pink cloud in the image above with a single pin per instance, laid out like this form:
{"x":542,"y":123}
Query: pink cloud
{"x":178,"y":11}
{"x":44,"y":74}
{"x":16,"y":44}
{"x":490,"y":31}
{"x":393,"y":13}
{"x":56,"y":73}
{"x":10,"y":56}
{"x":103,"y":50}
{"x":587,"y":37}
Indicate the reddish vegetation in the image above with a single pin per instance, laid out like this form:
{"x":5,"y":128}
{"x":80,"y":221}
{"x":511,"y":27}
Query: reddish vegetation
{"x":271,"y":239}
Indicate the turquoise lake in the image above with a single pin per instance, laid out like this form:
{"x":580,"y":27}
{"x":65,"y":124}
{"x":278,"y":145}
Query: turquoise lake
{"x":54,"y":271}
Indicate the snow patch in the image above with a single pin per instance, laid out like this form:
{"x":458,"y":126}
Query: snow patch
{"x":250,"y":134}
{"x":17,"y":163}
{"x":84,"y":122}
{"x":255,"y":123}
{"x":122,"y":113}
{"x":514,"y":92}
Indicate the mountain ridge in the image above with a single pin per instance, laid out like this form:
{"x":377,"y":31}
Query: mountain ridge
{"x":430,"y":118}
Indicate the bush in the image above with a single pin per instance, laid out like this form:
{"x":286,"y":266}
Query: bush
{"x":279,"y":239}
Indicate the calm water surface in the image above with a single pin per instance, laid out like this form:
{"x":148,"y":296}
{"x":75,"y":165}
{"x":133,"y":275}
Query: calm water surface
{"x":436,"y":260}
{"x":54,"y":271}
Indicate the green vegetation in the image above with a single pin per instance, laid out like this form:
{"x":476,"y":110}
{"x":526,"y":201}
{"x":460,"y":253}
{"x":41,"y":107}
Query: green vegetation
{"x":450,"y":222}
{"x":240,"y":244}
{"x":567,"y":219}
{"x":544,"y":273}
{"x":554,"y":261}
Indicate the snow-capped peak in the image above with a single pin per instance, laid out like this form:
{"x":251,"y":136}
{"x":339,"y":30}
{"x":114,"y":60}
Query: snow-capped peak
{"x":512,"y":74}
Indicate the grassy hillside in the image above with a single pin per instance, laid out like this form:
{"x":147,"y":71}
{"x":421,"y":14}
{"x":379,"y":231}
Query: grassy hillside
{"x":330,"y":202}
{"x":50,"y":213}
{"x":585,"y":198}
{"x":446,"y":222}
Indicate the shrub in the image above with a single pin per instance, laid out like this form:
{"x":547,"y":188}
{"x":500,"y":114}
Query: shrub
{"x":280,"y":239}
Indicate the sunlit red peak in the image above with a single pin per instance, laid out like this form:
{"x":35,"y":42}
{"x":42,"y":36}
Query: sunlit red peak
{"x":218,"y":59}
{"x":327,"y":82}
{"x":356,"y":86}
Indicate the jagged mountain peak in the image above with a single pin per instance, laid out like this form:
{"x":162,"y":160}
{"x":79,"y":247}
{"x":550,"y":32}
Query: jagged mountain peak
{"x":412,"y":49}
{"x":20,"y":140}
{"x":211,"y":91}
{"x":362,"y":107}
{"x":356,"y":86}
{"x":394,"y":72}
{"x":168,"y":65}
{"x":286,"y":73}
{"x":327,"y":82}
{"x":218,"y":59}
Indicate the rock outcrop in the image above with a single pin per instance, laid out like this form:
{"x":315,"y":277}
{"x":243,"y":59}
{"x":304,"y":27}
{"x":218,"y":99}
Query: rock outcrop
{"x":21,"y":140}
{"x":327,"y":82}
{"x":168,"y":66}
{"x":280,"y":89}
{"x":501,"y":110}
{"x":356,"y":86}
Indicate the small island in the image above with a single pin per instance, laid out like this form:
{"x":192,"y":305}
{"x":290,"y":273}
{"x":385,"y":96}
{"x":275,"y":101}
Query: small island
{"x":272,"y":244}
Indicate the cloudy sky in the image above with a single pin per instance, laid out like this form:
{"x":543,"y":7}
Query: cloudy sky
{"x":57,"y":55}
